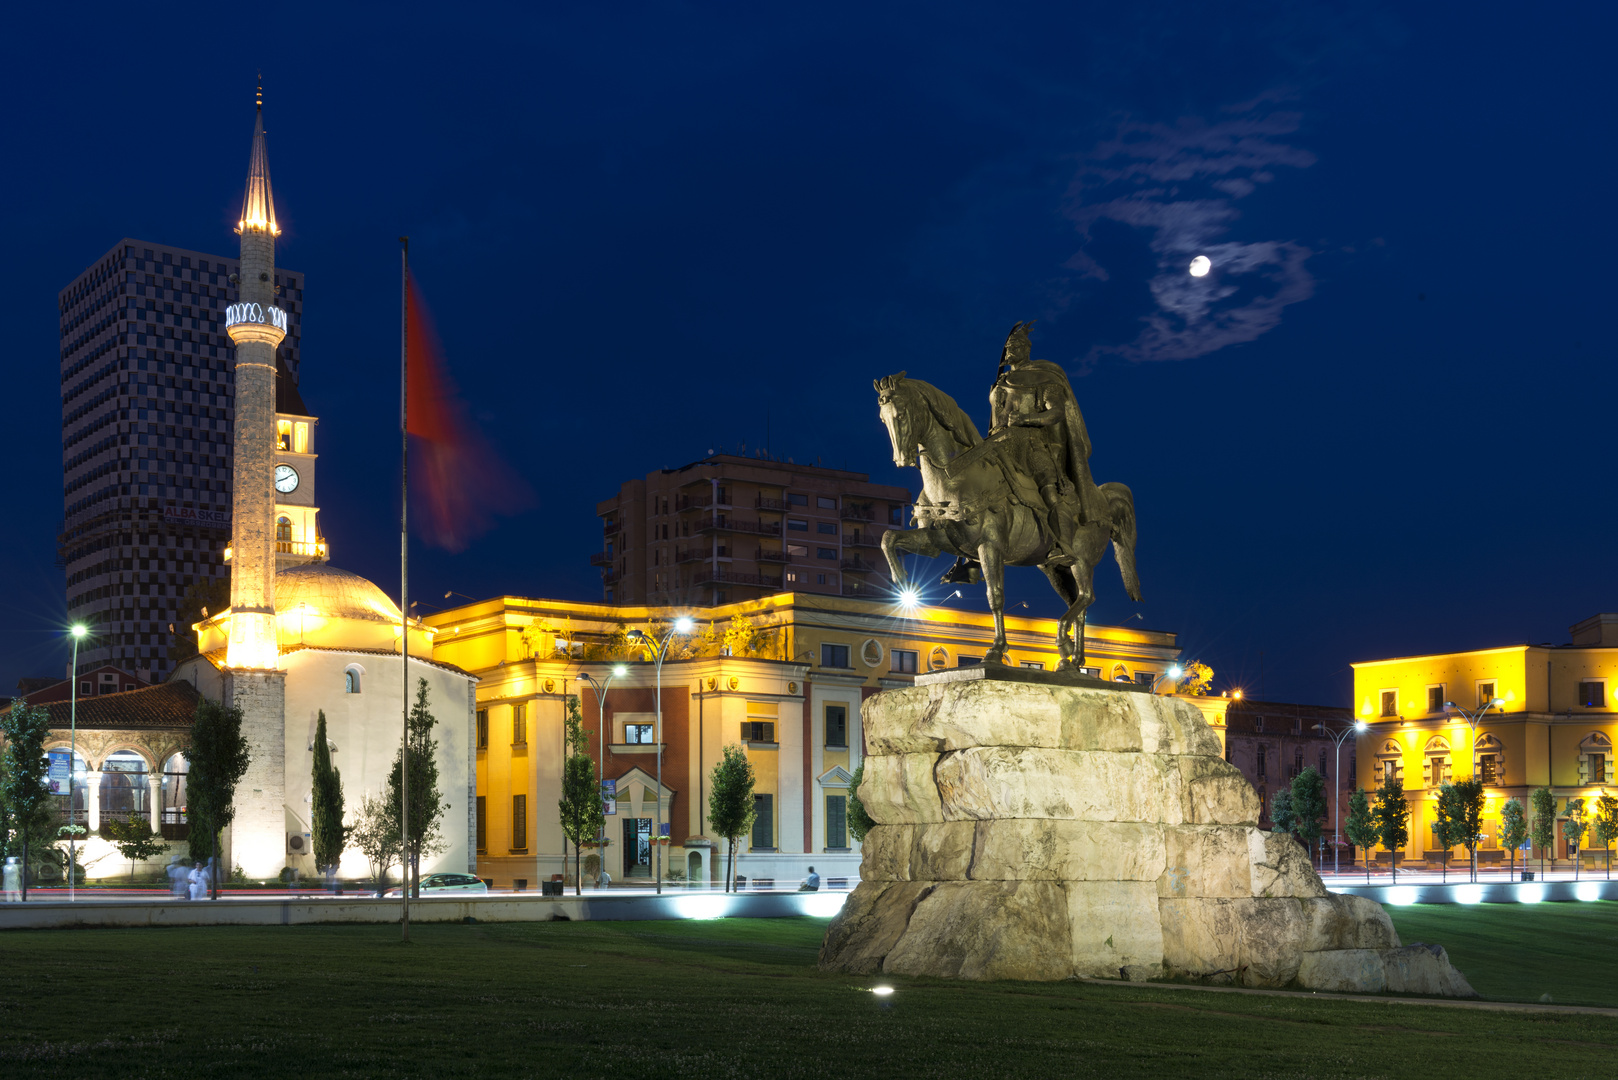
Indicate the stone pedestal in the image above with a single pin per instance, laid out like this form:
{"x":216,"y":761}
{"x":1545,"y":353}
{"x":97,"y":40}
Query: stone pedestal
{"x":1033,"y":830}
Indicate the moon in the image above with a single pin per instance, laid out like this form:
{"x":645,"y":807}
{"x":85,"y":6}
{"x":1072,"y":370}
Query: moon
{"x":1200,"y":266}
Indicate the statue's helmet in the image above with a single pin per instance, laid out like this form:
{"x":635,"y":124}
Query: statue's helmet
{"x":1018,"y":348}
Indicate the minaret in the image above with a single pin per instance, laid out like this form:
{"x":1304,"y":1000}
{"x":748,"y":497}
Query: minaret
{"x":253,"y":678}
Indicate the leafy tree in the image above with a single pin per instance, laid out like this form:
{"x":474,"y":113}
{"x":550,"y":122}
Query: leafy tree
{"x":730,"y":801}
{"x":1606,"y":826}
{"x":1513,"y":831}
{"x":859,"y":822}
{"x":425,"y":834}
{"x":135,"y":840}
{"x":375,"y":834}
{"x":217,"y":760}
{"x":1308,"y":799}
{"x":207,"y":596}
{"x":1281,"y":816}
{"x":1447,"y":823}
{"x":1573,"y":827}
{"x":1193,"y":682}
{"x":580,"y":805}
{"x":1543,"y":829}
{"x":326,"y":806}
{"x":23,"y":786}
{"x":1360,"y":828}
{"x":1469,"y":818}
{"x":1392,"y":821}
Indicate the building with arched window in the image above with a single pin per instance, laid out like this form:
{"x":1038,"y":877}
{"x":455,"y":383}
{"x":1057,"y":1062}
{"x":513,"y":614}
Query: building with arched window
{"x":1519,"y":717}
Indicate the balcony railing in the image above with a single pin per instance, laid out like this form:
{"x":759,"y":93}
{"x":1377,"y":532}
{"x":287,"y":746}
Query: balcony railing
{"x":692,"y":554}
{"x":863,"y":540}
{"x":859,"y":564}
{"x":610,"y":575}
{"x":857,"y":513}
{"x":317,"y":550}
{"x":772,"y":555}
{"x":725,"y":523}
{"x":731,"y":577}
{"x":692,"y":502}
{"x":763,"y":502}
{"x":600,"y":558}
{"x":611,"y":527}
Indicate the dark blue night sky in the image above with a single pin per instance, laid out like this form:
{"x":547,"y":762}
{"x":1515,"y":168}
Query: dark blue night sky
{"x":658,"y":229}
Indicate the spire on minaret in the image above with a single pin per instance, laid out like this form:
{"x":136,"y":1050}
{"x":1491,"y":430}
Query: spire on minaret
{"x":258,"y":207}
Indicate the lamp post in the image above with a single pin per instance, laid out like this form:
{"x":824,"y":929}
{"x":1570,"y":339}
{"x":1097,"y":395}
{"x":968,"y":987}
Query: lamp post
{"x":1338,"y":737}
{"x":1174,"y":672}
{"x":78,"y":631}
{"x":601,"y":688}
{"x":681,"y":625}
{"x":1473,"y":719}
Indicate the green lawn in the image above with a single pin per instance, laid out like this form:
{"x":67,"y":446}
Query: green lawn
{"x":1518,"y":952}
{"x":732,"y":998}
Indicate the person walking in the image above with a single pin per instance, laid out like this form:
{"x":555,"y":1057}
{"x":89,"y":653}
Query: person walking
{"x":12,"y":879}
{"x":177,"y":878}
{"x":194,"y":883}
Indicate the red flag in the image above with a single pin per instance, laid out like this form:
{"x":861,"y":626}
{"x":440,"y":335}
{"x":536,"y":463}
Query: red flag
{"x":457,"y":481}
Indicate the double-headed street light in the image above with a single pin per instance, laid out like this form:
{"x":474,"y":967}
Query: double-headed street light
{"x":1473,"y":719}
{"x":1338,"y":737}
{"x":682,"y":625}
{"x":601,"y":688}
{"x":1174,"y":672}
{"x":78,"y":631}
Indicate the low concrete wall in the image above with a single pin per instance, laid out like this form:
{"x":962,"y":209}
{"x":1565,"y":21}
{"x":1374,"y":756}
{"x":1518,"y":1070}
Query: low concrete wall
{"x":1494,"y":892}
{"x":439,"y":909}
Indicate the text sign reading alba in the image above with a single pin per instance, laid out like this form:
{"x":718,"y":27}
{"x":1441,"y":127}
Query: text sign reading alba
{"x":255,"y":313}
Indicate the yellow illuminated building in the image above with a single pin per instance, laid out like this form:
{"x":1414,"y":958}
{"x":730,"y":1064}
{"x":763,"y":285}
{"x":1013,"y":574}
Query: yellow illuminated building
{"x":782,"y":675}
{"x":1553,"y":726}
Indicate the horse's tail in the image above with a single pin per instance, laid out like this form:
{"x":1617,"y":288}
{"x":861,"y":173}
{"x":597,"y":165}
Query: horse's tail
{"x":1122,"y":503}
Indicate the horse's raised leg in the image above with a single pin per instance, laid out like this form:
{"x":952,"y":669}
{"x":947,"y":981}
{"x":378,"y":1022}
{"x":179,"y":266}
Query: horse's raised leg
{"x":994,"y":580}
{"x":897,"y":542}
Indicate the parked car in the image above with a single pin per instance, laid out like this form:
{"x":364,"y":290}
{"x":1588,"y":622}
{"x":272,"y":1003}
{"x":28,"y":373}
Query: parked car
{"x":438,"y":884}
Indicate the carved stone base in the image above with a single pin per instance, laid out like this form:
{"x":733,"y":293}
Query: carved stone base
{"x":1040,"y":831}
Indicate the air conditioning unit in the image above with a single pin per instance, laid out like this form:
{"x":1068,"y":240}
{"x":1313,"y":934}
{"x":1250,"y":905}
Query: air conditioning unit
{"x":297,"y":843}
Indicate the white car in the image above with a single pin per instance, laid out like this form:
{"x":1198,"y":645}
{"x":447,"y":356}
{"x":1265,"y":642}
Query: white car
{"x":439,"y":884}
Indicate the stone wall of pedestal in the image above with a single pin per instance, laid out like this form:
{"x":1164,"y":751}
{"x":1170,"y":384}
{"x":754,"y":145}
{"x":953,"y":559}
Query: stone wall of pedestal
{"x":1041,"y":831}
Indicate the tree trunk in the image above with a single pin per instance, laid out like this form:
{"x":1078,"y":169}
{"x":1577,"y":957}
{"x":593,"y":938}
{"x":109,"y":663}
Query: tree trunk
{"x":578,"y":870}
{"x":25,"y":867}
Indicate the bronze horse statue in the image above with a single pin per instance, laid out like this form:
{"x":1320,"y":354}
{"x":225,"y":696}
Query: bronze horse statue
{"x":977,"y":505}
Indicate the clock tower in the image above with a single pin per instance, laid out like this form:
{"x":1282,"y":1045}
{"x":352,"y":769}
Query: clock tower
{"x":297,"y":529}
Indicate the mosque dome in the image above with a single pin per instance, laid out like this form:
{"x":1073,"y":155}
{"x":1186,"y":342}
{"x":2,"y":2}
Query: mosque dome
{"x":332,"y":593}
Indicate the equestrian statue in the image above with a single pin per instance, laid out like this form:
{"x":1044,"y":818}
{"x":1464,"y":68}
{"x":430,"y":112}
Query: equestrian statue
{"x":1021,"y":497}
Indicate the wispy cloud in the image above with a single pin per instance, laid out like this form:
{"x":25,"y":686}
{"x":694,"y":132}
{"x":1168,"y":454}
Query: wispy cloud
{"x":1180,"y":183}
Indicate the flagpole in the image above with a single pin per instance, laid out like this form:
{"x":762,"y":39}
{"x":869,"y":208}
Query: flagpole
{"x":404,"y":579}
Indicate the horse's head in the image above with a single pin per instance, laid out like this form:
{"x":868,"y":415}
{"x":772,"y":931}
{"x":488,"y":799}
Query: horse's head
{"x":896,"y":408}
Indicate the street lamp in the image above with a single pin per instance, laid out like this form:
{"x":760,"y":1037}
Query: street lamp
{"x":1174,"y":672}
{"x":682,"y":625}
{"x":602,"y":686}
{"x":1473,"y":719}
{"x":1338,"y":737}
{"x":78,"y":632}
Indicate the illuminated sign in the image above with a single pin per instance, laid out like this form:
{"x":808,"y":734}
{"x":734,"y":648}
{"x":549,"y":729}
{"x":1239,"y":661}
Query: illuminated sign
{"x":255,"y":313}
{"x":186,"y":515}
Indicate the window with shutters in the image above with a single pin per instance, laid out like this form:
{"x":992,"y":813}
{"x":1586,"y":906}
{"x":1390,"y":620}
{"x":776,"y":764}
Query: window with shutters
{"x":1390,"y":703}
{"x":902,"y":661}
{"x":483,"y":823}
{"x":758,"y":731}
{"x":836,"y":822}
{"x":519,"y":725}
{"x":1435,"y":699}
{"x":1261,"y":762}
{"x":834,"y":656}
{"x":519,"y":823}
{"x":1592,"y":694}
{"x":763,"y":823}
{"x":483,"y":729}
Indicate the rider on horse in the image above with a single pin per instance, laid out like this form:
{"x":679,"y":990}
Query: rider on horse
{"x":1037,"y":423}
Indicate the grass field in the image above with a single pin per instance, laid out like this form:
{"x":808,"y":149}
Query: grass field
{"x":1519,"y":952}
{"x":732,"y":998}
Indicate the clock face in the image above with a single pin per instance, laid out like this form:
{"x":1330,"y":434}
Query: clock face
{"x":286,"y":479}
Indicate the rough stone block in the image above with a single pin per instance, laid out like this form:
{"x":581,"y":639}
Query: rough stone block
{"x":1034,"y":782}
{"x":1045,"y":850}
{"x":1343,"y":971}
{"x":1424,"y":969}
{"x":986,"y":930}
{"x":885,"y":853}
{"x":1343,"y":921}
{"x":1279,"y":866}
{"x":1206,"y":860}
{"x":1114,"y":927}
{"x":872,"y":920}
{"x":1216,"y":793}
{"x":942,"y":851}
{"x":899,"y":789}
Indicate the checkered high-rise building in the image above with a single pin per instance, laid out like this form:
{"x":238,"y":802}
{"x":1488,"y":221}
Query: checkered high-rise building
{"x":148,"y":410}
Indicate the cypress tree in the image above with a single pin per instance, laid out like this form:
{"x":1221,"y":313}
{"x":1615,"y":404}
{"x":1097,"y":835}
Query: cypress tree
{"x":326,"y":806}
